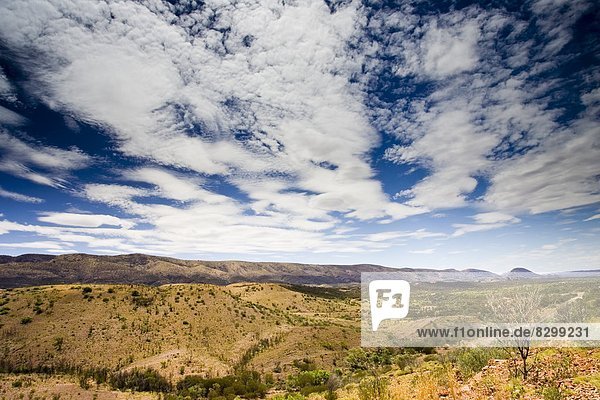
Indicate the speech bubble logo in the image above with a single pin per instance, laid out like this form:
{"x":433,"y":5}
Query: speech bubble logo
{"x":388,"y":299}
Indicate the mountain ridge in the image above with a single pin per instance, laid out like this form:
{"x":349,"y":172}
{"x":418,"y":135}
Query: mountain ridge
{"x":80,"y":268}
{"x":35,"y":269}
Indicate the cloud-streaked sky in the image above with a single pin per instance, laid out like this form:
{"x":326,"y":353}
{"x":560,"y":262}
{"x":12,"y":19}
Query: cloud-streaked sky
{"x":423,"y":134}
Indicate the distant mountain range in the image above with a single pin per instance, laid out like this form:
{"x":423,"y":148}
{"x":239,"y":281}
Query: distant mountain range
{"x":41,"y":269}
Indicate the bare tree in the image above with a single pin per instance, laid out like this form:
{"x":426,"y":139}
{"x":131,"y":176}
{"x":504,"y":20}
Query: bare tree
{"x":524,"y":308}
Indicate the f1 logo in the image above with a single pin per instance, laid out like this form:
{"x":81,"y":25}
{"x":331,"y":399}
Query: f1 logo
{"x":389,"y":300}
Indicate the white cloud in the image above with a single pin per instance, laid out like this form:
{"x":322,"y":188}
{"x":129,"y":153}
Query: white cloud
{"x":182,"y":188}
{"x":197,"y":231}
{"x":418,"y":234}
{"x":114,"y":195}
{"x":494,"y":128}
{"x":38,"y":245}
{"x":180,"y":103}
{"x":455,"y":151}
{"x":424,"y":251}
{"x":84,"y":220}
{"x":462,"y":229}
{"x":40,"y":164}
{"x":561,"y":173}
{"x":591,"y":100}
{"x":451,"y":50}
{"x":268,"y":100}
{"x":593,"y":217}
{"x":19,"y":197}
{"x":6,"y":88}
{"x":9,"y":117}
{"x":432,"y":47}
{"x":494,"y":217}
{"x":485,"y":222}
{"x":551,"y":247}
{"x":556,"y":18}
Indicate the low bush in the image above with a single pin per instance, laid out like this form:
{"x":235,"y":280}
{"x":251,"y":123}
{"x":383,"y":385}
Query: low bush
{"x":289,"y":396}
{"x":247,"y":384}
{"x":360,"y":360}
{"x":305,"y":364}
{"x":141,"y":301}
{"x":471,"y":361}
{"x":373,"y":388}
{"x":308,"y":382}
{"x":405,"y":360}
{"x":139,"y":380}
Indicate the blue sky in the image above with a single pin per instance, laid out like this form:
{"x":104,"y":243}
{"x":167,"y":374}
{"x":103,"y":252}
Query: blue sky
{"x":422,"y":134}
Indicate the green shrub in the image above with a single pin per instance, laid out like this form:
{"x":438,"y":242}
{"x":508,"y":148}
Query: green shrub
{"x":247,"y":384}
{"x":471,"y":361}
{"x":140,"y":380}
{"x":141,"y":301}
{"x":406,"y":360}
{"x":425,"y":350}
{"x":305,"y":364}
{"x":26,"y":320}
{"x":308,"y":382}
{"x":431,"y":357}
{"x":88,"y":375}
{"x":358,"y":359}
{"x":289,"y":396}
{"x":58,"y":343}
{"x":373,"y":388}
{"x":552,"y":393}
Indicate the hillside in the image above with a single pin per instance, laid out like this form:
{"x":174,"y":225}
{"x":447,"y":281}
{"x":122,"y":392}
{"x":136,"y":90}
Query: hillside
{"x":292,"y":336}
{"x":176,"y":329}
{"x":36,"y":269}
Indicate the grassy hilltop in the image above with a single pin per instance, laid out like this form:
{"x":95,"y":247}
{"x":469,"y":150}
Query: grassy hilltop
{"x":191,"y":328}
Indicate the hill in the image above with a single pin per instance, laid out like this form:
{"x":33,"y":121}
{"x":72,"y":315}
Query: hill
{"x":58,"y":341}
{"x":520,"y":273}
{"x":175,"y":329}
{"x":141,"y":269}
{"x":35,"y":269}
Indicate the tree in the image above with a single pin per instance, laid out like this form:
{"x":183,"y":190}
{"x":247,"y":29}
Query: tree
{"x":522,"y":307}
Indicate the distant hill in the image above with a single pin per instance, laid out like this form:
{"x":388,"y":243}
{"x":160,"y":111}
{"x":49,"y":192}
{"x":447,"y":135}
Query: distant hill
{"x":520,"y":270}
{"x":37,"y":269}
{"x":520,"y":273}
{"x":578,"y":274}
{"x":44,"y":269}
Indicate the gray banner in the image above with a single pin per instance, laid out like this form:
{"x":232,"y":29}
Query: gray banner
{"x":420,"y":310}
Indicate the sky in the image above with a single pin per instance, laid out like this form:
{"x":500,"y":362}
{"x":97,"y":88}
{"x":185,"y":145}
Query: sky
{"x":440,"y":134}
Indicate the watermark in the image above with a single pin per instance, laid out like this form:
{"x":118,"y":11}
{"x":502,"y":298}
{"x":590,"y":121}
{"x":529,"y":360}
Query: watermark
{"x":437,"y":309}
{"x":389,"y":299}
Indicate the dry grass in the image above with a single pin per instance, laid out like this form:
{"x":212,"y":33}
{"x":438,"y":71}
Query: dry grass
{"x":39,"y":387}
{"x":205,"y":329}
{"x":201,"y":328}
